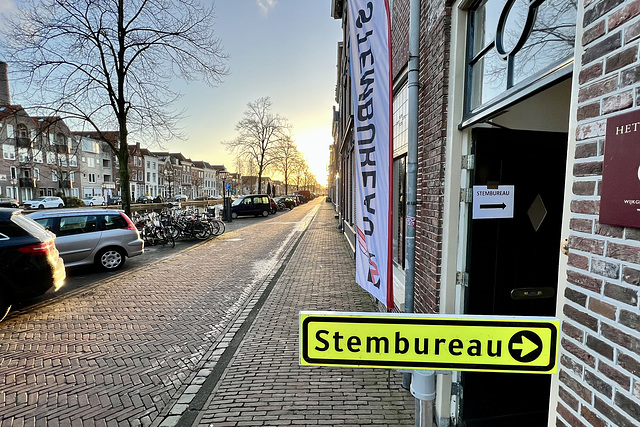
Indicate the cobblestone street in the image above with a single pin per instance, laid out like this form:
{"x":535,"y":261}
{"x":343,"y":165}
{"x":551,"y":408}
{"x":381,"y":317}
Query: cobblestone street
{"x":206,"y":337}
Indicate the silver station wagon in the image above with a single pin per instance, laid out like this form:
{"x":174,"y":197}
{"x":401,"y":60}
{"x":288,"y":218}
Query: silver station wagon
{"x":104,"y":237}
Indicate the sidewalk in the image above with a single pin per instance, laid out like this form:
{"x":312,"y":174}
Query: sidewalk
{"x":261,"y":382}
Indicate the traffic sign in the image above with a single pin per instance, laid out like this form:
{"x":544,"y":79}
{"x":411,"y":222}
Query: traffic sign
{"x":494,"y":202}
{"x":228,"y":186}
{"x":417,"y":341}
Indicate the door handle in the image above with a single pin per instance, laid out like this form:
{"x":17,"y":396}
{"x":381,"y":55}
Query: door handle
{"x":532,"y":293}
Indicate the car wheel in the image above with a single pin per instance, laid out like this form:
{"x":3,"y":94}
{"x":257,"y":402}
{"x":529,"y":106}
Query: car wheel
{"x":41,"y":207}
{"x":60,"y":205}
{"x":110,"y":259}
{"x":265,"y":213}
{"x":90,"y":203}
{"x":234,"y":215}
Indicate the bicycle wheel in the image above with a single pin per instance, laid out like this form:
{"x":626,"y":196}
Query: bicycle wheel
{"x":201,"y":231}
{"x":220,"y":228}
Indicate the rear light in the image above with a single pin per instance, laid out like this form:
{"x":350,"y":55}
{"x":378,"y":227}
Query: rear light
{"x":39,"y":249}
{"x":130,"y":224}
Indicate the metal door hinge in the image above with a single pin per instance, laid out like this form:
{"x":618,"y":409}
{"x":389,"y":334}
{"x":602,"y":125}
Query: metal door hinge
{"x":466,"y":195}
{"x":462,"y":278}
{"x":469,"y":162}
{"x":456,"y":388}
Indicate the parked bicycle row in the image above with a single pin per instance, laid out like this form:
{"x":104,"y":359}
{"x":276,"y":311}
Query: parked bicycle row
{"x":164,"y":227}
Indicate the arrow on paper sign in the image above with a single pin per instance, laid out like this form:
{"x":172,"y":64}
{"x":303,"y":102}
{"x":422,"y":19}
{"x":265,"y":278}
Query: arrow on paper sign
{"x":496,"y":206}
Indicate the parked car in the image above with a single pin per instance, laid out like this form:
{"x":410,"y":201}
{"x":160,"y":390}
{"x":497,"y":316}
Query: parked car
{"x":8,"y":202}
{"x":144,"y":199}
{"x":104,"y":237}
{"x":305,"y":195}
{"x":93,"y":201}
{"x":286,"y":202}
{"x":44,"y":202}
{"x":115,"y":200}
{"x":158,"y":199}
{"x":296,"y":199}
{"x":30,"y":264}
{"x":181,"y":198}
{"x":253,"y":204}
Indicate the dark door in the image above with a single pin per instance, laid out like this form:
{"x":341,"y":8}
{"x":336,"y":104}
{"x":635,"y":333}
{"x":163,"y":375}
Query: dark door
{"x":513,"y":264}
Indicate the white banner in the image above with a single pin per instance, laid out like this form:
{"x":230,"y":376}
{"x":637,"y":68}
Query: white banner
{"x":370,"y":49}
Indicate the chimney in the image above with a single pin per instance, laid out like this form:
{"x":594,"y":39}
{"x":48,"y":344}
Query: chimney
{"x":5,"y":96}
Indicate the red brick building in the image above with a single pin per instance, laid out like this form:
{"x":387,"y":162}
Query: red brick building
{"x":515,"y":99}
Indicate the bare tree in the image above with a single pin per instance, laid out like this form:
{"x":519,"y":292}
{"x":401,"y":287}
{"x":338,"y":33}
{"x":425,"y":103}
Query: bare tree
{"x":109,"y":64}
{"x":288,"y":158}
{"x":260,"y":131}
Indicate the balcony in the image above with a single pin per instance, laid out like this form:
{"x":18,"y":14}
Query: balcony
{"x":65,"y":183}
{"x":62,"y":148}
{"x":23,"y":142}
{"x":27,"y":182}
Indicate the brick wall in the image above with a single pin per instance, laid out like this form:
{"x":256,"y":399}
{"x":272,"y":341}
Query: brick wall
{"x":434,"y":69}
{"x":599,"y":377}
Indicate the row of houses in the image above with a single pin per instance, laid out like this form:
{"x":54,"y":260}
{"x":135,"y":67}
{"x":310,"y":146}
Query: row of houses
{"x":535,"y":104}
{"x":42,"y":156}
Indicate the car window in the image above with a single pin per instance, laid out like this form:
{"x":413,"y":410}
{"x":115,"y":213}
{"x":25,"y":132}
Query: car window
{"x":47,"y":223}
{"x":9,"y":229}
{"x":77,"y":224}
{"x":113,"y":222}
{"x":247,"y":201}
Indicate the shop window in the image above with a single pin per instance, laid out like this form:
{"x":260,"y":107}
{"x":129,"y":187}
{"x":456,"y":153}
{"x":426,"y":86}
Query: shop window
{"x":514,"y":45}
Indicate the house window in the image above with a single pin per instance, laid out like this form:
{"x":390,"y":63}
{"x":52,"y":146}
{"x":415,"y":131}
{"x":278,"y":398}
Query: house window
{"x":51,"y":158}
{"x":106,"y":163}
{"x":23,"y":155}
{"x":148,"y":176}
{"x":73,"y":160}
{"x":8,"y":152}
{"x":37,"y":157}
{"x":513,"y":45}
{"x":54,"y":175}
{"x":401,"y":119}
{"x":22,"y":131}
{"x":92,"y":178}
{"x":91,"y":162}
{"x":14,"y":172}
{"x":36,"y":173}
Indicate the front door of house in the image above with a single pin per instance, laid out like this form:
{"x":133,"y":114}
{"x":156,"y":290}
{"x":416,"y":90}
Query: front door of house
{"x":513,"y":255}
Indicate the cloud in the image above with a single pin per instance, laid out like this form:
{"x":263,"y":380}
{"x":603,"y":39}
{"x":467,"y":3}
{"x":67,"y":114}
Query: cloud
{"x":266,"y":5}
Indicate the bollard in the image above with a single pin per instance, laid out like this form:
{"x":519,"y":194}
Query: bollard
{"x":423,"y":388}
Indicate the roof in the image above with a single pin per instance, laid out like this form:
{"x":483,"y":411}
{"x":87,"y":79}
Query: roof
{"x":10,"y":110}
{"x":112,"y":136}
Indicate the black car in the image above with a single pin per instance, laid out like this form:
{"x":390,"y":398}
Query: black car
{"x":144,"y":199}
{"x":8,"y":202}
{"x":285,"y":201}
{"x":30,"y":264}
{"x":115,"y":200}
{"x":253,"y":204}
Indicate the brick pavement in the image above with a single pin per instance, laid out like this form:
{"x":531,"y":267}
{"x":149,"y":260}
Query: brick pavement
{"x":263,"y":384}
{"x":198,"y":338}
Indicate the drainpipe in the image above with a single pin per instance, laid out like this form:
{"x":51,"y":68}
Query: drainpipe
{"x":412,"y":164}
{"x":422,"y":382}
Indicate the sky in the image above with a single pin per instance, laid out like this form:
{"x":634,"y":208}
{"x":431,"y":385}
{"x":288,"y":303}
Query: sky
{"x":282,"y":49}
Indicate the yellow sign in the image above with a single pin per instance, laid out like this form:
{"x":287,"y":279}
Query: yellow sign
{"x":414,"y":341}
